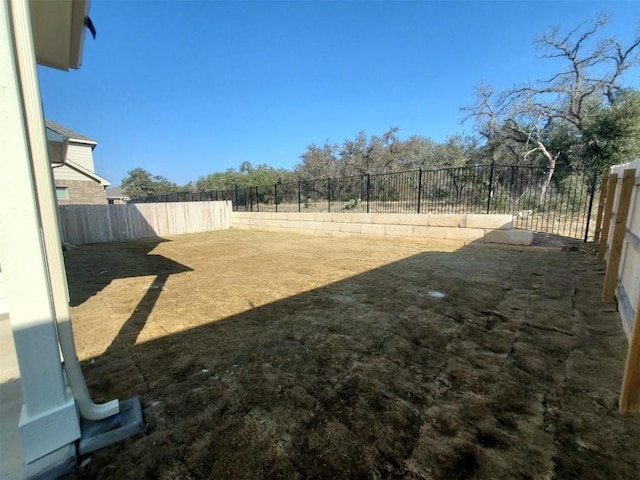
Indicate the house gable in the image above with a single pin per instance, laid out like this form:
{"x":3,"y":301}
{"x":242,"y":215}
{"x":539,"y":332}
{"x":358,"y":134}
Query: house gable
{"x":75,"y":177}
{"x":70,"y":134}
{"x":73,"y":171}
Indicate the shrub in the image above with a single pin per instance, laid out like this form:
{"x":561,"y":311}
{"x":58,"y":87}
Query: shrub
{"x":351,"y":203}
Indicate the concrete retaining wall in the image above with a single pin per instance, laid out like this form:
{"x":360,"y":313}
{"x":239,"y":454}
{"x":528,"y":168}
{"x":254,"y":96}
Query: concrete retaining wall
{"x":437,"y":230}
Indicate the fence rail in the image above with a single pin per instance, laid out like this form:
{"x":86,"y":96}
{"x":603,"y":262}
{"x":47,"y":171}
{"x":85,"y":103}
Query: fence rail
{"x":561,"y":207}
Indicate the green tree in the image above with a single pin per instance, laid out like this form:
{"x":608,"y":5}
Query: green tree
{"x":140,"y":183}
{"x":246,"y":175}
{"x":418,"y":152}
{"x":386,"y":153}
{"x":319,"y":162}
{"x":612,"y":133}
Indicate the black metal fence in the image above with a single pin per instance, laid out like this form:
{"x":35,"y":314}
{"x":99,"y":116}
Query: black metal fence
{"x":562,"y":206}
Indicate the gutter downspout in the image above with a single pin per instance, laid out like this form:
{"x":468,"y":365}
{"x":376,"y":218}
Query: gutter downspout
{"x":26,"y":66}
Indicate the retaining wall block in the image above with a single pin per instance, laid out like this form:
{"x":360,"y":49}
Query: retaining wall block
{"x":382,"y":218}
{"x":331,"y":226}
{"x":318,"y":217}
{"x":350,"y":227}
{"x":512,"y":237}
{"x":446,"y":220}
{"x":502,"y":222}
{"x":413,"y":219}
{"x":358,"y":217}
{"x":429,"y":232}
{"x":373,"y":229}
{"x":399,"y":230}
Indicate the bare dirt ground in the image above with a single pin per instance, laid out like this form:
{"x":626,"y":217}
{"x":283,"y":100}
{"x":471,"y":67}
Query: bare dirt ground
{"x":261,"y":355}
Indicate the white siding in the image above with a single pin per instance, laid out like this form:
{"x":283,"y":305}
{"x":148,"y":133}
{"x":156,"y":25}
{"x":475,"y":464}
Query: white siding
{"x":67,"y":173}
{"x":82,"y":155}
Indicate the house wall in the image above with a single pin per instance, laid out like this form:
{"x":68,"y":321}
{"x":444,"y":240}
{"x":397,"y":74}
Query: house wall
{"x":82,"y":192}
{"x":64,"y":172}
{"x":4,"y":306}
{"x":81,"y":154}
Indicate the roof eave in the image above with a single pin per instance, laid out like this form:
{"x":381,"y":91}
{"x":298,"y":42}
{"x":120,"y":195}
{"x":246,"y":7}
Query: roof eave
{"x":93,"y":175}
{"x":58,"y":32}
{"x":93,"y":143}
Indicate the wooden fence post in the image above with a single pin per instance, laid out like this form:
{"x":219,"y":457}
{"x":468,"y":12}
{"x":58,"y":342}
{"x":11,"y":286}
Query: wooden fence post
{"x":615,"y":251}
{"x":603,"y":196}
{"x":630,"y":391}
{"x":608,"y":209}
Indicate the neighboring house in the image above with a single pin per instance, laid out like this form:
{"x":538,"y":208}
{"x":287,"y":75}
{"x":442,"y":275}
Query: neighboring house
{"x":75,"y":177}
{"x":116,"y":196}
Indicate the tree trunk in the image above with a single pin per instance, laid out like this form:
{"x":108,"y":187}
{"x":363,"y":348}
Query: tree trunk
{"x":551,"y":168}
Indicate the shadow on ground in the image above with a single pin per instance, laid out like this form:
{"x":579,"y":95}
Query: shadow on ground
{"x":113,"y":262}
{"x":513,"y":373}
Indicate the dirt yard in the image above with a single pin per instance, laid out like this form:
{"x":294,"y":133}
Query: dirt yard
{"x":262,"y":355}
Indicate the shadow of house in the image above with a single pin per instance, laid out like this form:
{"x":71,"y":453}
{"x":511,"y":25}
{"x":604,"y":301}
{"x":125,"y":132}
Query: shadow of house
{"x":378,"y":375}
{"x":103,"y":263}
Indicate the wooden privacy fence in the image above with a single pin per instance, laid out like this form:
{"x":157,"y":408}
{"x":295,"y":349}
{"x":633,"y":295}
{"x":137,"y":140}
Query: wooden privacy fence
{"x":618,"y":230}
{"x":81,"y":224}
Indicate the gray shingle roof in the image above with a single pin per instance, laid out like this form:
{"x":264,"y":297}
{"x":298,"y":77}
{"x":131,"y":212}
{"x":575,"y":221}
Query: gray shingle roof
{"x":115,"y":192}
{"x":67,"y":132}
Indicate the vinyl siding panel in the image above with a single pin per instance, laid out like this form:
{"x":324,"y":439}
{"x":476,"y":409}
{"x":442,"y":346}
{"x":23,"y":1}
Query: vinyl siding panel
{"x":82,"y":155}
{"x":66,"y":173}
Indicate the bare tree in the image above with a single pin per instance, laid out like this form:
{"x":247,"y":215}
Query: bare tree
{"x":527,"y":115}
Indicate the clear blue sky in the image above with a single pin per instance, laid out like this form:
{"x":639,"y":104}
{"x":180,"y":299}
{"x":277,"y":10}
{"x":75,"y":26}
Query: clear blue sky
{"x":185,"y":88}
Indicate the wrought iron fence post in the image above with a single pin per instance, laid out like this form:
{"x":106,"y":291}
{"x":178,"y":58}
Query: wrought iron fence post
{"x":275,"y":199}
{"x":329,"y":195}
{"x":368,"y":190}
{"x":594,"y":180}
{"x":299,"y":195}
{"x":490,"y":187}
{"x":419,"y":188}
{"x":235,"y":197}
{"x":257,"y":200}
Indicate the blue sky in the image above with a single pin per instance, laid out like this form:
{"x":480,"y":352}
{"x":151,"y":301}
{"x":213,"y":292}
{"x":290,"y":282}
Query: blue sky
{"x":187,"y":88}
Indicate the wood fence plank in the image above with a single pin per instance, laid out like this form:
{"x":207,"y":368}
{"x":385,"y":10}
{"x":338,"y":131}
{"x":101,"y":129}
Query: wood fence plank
{"x":81,"y":224}
{"x":603,"y":196}
{"x":615,"y":249}
{"x":608,"y":210}
{"x":630,"y":391}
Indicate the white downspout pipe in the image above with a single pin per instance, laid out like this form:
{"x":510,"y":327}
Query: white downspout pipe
{"x":26,"y":62}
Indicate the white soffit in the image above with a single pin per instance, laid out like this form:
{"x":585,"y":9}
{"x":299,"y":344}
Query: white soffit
{"x":58,"y":31}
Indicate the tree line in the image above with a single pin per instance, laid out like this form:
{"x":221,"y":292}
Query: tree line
{"x":582,"y":118}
